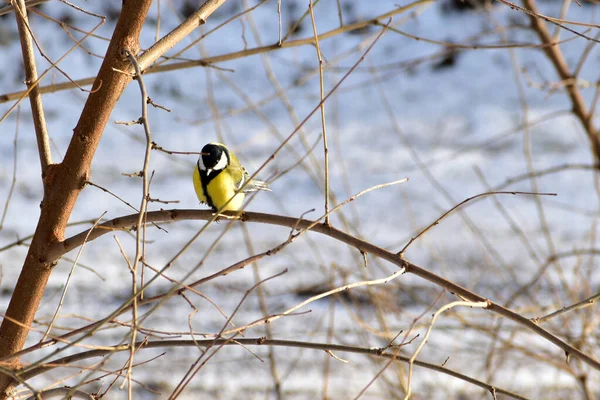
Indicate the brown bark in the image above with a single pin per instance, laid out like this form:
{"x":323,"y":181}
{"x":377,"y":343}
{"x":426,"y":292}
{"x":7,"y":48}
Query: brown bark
{"x":63,"y":183}
{"x":557,"y":58}
{"x":31,"y":76}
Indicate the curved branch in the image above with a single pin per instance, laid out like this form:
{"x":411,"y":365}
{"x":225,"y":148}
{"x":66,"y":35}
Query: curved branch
{"x":376,"y":352}
{"x":130,"y":221}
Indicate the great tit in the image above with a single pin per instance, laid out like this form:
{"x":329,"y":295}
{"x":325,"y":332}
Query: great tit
{"x":219,"y":175}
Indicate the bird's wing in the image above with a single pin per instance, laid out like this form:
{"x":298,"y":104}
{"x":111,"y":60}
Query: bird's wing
{"x":239,"y":176}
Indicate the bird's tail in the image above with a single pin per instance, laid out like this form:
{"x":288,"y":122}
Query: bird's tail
{"x":256,"y":185}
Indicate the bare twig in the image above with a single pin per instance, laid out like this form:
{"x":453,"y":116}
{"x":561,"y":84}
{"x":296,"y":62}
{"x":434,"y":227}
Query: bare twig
{"x":105,"y":190}
{"x":582,"y":304}
{"x":323,"y":124}
{"x":35,"y":97}
{"x":65,"y":392}
{"x":480,"y":304}
{"x":444,"y":215}
{"x":29,"y":3}
{"x":374,"y":352}
{"x":83,"y":10}
{"x":159,"y":148}
{"x":176,"y":35}
{"x":560,"y":65}
{"x":66,"y":287}
{"x":334,"y":291}
{"x":21,"y":95}
{"x":225,"y":57}
{"x":196,"y":366}
{"x":64,"y":182}
{"x":14,"y":175}
{"x":141,"y":230}
{"x":156,"y":216}
{"x":264,"y":308}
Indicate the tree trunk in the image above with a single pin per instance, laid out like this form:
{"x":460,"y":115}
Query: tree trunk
{"x":63,"y":183}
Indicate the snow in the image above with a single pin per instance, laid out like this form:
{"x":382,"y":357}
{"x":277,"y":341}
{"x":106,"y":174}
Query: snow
{"x":455,"y":120}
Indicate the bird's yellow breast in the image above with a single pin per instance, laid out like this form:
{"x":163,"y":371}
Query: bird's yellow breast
{"x":220,"y":189}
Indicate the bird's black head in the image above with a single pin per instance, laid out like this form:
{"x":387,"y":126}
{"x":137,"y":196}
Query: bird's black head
{"x":215,"y":157}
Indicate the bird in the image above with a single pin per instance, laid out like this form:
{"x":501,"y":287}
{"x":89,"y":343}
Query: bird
{"x":219,"y":175}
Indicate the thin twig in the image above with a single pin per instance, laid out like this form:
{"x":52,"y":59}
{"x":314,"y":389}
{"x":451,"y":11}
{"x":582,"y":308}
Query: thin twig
{"x":35,"y":97}
{"x":64,"y":293}
{"x":105,"y":190}
{"x":214,"y":216}
{"x":323,"y":124}
{"x":334,"y":291}
{"x":141,"y":227}
{"x":557,"y":58}
{"x":65,"y":392}
{"x":294,"y":165}
{"x":583,"y":303}
{"x":279,"y":20}
{"x":176,"y":35}
{"x":172,"y":215}
{"x":411,"y":361}
{"x":14,"y":176}
{"x":134,"y":320}
{"x":225,"y":57}
{"x":374,"y":352}
{"x":444,"y":215}
{"x":10,"y":8}
{"x":584,"y":56}
{"x":83,"y":10}
{"x":19,"y":96}
{"x":265,"y":312}
{"x":196,"y":366}
{"x":64,"y":26}
{"x":159,"y":148}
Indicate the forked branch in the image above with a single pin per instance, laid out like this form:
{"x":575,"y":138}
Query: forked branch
{"x":557,"y":58}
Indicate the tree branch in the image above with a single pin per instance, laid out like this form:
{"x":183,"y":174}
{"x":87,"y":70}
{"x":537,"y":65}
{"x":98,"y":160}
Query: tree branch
{"x":172,"y":38}
{"x":555,"y":55}
{"x":130,"y":221}
{"x":31,"y":76}
{"x":375,"y":352}
{"x":151,"y":53}
{"x":63,"y":183}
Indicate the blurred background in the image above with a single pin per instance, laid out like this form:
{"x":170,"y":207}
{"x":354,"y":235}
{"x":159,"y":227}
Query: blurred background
{"x":459,"y":97}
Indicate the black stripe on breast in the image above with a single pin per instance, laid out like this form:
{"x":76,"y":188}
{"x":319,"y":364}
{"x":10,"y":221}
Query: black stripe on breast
{"x":205,"y":180}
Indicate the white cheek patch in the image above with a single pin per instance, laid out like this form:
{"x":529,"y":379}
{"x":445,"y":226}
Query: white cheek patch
{"x":201,"y":164}
{"x":222,"y":164}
